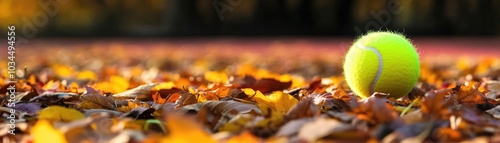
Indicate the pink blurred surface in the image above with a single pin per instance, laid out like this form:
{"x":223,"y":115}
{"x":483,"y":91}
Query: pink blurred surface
{"x":427,"y":47}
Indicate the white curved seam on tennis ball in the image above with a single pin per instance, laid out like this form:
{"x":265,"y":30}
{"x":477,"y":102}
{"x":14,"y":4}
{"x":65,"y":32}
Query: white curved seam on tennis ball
{"x":379,"y":71}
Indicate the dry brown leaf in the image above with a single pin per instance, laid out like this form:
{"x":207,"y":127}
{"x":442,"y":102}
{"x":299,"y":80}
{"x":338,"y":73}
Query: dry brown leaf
{"x":324,"y":127}
{"x":375,"y":109}
{"x":96,"y":101}
{"x":139,"y":92}
{"x":264,"y":85}
{"x":303,"y":109}
{"x":435,"y":105}
{"x":139,"y":113}
{"x":186,"y":98}
{"x":293,"y":127}
{"x":470,"y":96}
{"x":495,"y":112}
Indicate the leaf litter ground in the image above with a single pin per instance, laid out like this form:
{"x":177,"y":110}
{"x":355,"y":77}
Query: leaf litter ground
{"x":108,"y":93}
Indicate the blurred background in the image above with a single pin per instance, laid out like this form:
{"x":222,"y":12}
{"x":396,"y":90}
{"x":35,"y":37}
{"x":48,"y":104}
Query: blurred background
{"x":248,"y":18}
{"x":300,"y":37}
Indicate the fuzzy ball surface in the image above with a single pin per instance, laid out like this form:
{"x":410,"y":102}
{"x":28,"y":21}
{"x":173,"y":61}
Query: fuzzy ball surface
{"x":383,"y":62}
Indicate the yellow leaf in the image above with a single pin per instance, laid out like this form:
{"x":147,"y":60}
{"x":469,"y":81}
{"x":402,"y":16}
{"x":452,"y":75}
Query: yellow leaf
{"x":216,"y":76}
{"x":164,"y":85}
{"x":278,"y":100}
{"x":237,"y":123}
{"x":273,"y":120}
{"x":43,"y":132}
{"x":62,"y":70}
{"x":282,"y":101}
{"x":86,"y":75}
{"x":50,"y":85}
{"x":184,"y":130}
{"x":59,"y":113}
{"x":201,"y":99}
{"x":32,"y":79}
{"x":257,"y":96}
{"x":246,"y":69}
{"x":73,"y":85}
{"x":5,"y":72}
{"x":297,"y":81}
{"x":118,"y":83}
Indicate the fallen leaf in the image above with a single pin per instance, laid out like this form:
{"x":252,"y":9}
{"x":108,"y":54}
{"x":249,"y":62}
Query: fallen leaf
{"x":43,"y":132}
{"x":278,"y":100}
{"x":139,"y":92}
{"x":270,"y":124}
{"x":127,"y":106}
{"x":468,"y":95}
{"x":157,"y":98}
{"x":375,"y":109}
{"x":31,"y":109}
{"x":303,"y":109}
{"x":324,"y":127}
{"x":186,"y":98}
{"x":59,"y":113}
{"x":115,"y":84}
{"x":245,"y":137}
{"x":264,"y":85}
{"x":495,"y":112}
{"x":216,"y":113}
{"x":182,"y":129}
{"x":448,"y":135}
{"x":96,"y":101}
{"x":164,"y":85}
{"x":112,"y":113}
{"x":236,"y":124}
{"x":86,"y":75}
{"x":221,"y":107}
{"x":293,"y":127}
{"x":140,"y":113}
{"x":62,"y":70}
{"x":435,"y":105}
{"x":216,"y":76}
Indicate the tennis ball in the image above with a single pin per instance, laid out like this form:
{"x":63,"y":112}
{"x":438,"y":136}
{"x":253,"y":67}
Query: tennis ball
{"x":383,"y":62}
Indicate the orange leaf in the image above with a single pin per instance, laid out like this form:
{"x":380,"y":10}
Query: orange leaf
{"x":182,"y":129}
{"x":173,"y":97}
{"x":245,"y":137}
{"x":157,"y":98}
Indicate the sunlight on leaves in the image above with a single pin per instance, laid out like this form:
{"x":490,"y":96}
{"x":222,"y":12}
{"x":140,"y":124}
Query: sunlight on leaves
{"x":59,"y":113}
{"x":182,"y":129}
{"x":278,"y":100}
{"x":62,"y":70}
{"x":217,"y":77}
{"x":43,"y":132}
{"x":86,"y":75}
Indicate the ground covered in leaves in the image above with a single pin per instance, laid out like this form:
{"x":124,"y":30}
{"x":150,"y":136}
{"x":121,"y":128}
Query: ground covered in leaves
{"x":108,"y":93}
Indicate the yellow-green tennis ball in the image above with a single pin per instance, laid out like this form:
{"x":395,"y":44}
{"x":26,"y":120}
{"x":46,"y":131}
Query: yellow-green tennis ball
{"x":383,"y":62}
